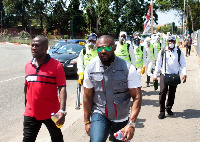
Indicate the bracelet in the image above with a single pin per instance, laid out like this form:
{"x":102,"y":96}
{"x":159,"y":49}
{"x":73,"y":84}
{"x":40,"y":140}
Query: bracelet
{"x":87,"y":122}
{"x":62,"y":111}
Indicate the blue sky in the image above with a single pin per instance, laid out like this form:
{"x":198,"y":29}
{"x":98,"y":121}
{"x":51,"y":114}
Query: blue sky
{"x":169,"y":17}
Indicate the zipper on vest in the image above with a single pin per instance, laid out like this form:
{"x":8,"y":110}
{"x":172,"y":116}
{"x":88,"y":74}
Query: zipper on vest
{"x":102,"y":84}
{"x":115,"y":109}
{"x":106,"y":110}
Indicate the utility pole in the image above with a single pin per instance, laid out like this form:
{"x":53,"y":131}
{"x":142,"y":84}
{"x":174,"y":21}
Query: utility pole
{"x":151,"y":17}
{"x":1,"y":23}
{"x":184,"y":21}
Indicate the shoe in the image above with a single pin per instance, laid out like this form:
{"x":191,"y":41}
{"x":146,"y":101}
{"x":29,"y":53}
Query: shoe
{"x":161,"y":115}
{"x":169,"y":111}
{"x":148,"y":85}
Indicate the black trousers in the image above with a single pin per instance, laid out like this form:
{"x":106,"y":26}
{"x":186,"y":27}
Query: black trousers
{"x":163,"y":92}
{"x":32,"y":127}
{"x":188,"y":49}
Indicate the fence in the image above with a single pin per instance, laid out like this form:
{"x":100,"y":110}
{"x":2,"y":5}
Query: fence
{"x":196,"y":40}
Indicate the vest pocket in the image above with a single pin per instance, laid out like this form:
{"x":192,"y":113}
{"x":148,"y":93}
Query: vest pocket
{"x":121,"y":105}
{"x":97,"y":80}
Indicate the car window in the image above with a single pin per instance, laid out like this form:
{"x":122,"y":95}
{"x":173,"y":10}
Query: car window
{"x":70,"y":49}
{"x":58,"y":45}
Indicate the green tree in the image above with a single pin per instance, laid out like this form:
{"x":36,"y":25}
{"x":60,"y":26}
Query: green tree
{"x":192,"y":7}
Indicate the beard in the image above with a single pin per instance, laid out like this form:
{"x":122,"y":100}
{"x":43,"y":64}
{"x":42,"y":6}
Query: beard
{"x":107,"y":60}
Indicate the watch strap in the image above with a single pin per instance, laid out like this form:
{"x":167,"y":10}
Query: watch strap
{"x":62,"y":111}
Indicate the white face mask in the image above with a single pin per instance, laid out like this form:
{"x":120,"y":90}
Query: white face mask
{"x":171,"y":45}
{"x":122,"y":40}
{"x":91,"y":45}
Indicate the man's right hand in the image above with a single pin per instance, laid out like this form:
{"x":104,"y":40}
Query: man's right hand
{"x":87,"y":128}
{"x":80,"y":78}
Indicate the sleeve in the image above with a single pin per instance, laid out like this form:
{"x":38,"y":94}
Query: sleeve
{"x":132,"y":55}
{"x":87,"y":83}
{"x":155,"y":51}
{"x":60,"y":79}
{"x":183,"y":64}
{"x":25,"y":81}
{"x":144,"y":57}
{"x":158,"y":65}
{"x":80,"y":65}
{"x":133,"y":79}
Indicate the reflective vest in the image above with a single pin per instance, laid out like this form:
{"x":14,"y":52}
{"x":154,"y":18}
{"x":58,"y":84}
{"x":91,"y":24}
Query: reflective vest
{"x":158,"y":47}
{"x":89,"y":54}
{"x":139,"y":57}
{"x":176,"y":39}
{"x":152,"y":52}
{"x":166,"y":44}
{"x":122,"y":52}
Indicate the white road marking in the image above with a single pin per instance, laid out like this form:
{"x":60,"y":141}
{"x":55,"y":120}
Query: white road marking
{"x":11,"y":79}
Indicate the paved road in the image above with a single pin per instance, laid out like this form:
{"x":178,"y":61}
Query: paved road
{"x":183,"y":127}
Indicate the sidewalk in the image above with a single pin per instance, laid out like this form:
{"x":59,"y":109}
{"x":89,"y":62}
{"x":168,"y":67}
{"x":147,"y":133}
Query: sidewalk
{"x":184,"y":126}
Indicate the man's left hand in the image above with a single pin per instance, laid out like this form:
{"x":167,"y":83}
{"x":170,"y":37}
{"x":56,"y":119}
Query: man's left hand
{"x":128,"y":132}
{"x":184,"y":78}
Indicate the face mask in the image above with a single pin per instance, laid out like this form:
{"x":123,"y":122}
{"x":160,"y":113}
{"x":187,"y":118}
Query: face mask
{"x":122,"y":41}
{"x":136,"y":47}
{"x":171,"y":45}
{"x":91,"y":45}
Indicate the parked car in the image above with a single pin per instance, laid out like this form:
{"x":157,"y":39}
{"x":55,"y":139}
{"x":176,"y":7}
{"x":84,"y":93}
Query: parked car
{"x":67,"y":55}
{"x":60,"y":43}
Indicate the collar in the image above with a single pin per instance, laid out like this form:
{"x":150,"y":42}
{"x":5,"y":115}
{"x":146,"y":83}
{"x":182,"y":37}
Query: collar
{"x":47,"y":59}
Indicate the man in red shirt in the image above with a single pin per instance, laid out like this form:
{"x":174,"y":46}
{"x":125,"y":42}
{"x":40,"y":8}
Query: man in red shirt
{"x":45,"y":77}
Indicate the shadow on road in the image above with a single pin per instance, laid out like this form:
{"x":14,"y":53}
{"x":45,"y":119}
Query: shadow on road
{"x":187,"y":114}
{"x":71,"y":77}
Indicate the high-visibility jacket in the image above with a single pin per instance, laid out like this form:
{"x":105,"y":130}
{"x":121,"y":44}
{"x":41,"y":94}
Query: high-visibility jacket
{"x":139,"y":57}
{"x":89,"y":54}
{"x":158,"y":47}
{"x":152,"y":52}
{"x":122,"y":51}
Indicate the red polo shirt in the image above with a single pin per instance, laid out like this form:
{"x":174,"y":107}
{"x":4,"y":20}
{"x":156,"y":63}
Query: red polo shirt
{"x":42,"y":92}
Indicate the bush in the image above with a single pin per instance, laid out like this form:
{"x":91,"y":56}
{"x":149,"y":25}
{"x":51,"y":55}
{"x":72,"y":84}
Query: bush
{"x":65,"y":37}
{"x":24,"y":34}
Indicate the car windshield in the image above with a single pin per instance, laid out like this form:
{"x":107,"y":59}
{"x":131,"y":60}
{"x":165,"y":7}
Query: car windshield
{"x":70,"y":49}
{"x":58,"y":45}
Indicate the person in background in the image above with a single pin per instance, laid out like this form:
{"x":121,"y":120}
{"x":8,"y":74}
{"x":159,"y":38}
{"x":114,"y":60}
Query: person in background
{"x":86,"y":54}
{"x":151,"y":52}
{"x":173,"y":66}
{"x":125,"y":50}
{"x":44,"y":78}
{"x":109,"y":84}
{"x":188,"y":45}
{"x":140,"y":56}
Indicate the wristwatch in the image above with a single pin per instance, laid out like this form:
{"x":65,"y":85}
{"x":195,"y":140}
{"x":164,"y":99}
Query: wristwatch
{"x":62,"y":111}
{"x":131,"y":123}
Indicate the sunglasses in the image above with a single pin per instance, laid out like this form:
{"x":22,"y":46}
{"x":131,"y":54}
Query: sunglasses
{"x":107,"y":48}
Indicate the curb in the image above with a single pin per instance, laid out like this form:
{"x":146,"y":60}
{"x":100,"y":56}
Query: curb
{"x":14,"y":43}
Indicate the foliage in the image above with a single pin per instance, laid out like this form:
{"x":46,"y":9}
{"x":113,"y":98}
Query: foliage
{"x":192,"y":9}
{"x":99,"y":16}
{"x":24,"y":34}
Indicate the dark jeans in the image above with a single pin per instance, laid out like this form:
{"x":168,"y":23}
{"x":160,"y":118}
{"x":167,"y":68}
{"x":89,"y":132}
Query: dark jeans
{"x":32,"y":127}
{"x":163,"y":92}
{"x":188,"y":48}
{"x":101,"y":127}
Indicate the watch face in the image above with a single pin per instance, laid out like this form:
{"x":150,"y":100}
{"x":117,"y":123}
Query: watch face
{"x":132,"y":124}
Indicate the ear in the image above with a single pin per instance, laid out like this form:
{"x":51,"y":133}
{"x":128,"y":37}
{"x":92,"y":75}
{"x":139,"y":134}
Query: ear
{"x":114,"y":47}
